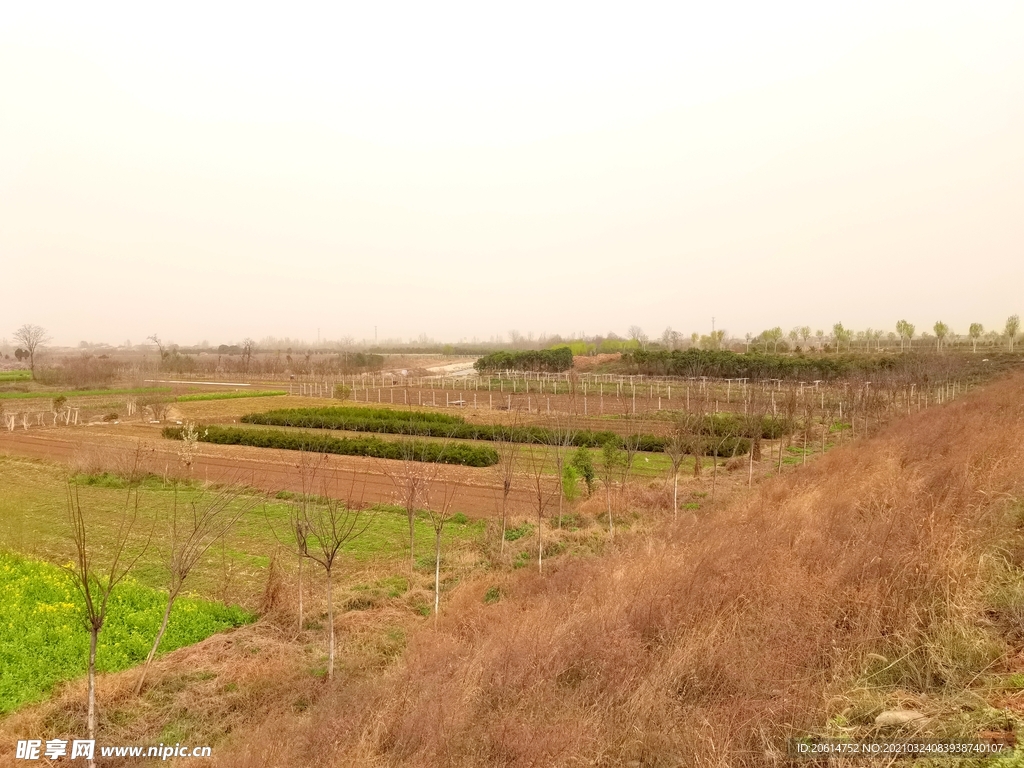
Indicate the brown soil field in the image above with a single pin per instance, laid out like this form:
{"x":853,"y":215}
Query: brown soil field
{"x":270,"y":470}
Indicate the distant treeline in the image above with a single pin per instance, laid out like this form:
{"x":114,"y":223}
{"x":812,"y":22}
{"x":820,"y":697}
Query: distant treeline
{"x":546,"y":360}
{"x":235,"y":359}
{"x":751,"y":365}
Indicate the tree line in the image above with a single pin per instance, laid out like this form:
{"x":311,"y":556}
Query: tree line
{"x":556,"y":360}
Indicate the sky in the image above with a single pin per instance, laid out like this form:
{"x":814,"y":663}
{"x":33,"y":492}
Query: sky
{"x":212,"y":171}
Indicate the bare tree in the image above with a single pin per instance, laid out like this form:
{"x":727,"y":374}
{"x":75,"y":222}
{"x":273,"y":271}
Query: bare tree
{"x":698,"y":421}
{"x":411,"y":478}
{"x":440,"y":498}
{"x":329,"y":523}
{"x":636,"y":419}
{"x":189,"y":446}
{"x":96,"y":582}
{"x":508,"y":445}
{"x":753,"y":426}
{"x":563,"y":436}
{"x":195,"y":526}
{"x":611,"y":459}
{"x":32,"y":337}
{"x":164,"y":352}
{"x":719,"y":438}
{"x":675,"y":449}
{"x":636,"y":333}
{"x":248,"y":347}
{"x":537,"y":459}
{"x":158,"y":407}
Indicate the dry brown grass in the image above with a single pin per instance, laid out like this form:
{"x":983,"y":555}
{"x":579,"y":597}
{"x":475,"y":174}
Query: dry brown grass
{"x":856,"y":582}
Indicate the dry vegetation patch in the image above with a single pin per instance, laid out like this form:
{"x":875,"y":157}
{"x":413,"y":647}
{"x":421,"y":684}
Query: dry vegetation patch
{"x":884,"y":575}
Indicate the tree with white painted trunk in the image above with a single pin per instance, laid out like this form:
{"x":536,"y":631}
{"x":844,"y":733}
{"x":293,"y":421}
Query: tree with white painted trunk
{"x":975,"y":332}
{"x":507,"y":445}
{"x":411,"y":479}
{"x":1011,"y":329}
{"x":97,"y":569}
{"x":328,"y":523}
{"x":538,"y":464}
{"x":676,"y":449}
{"x":194,"y":526}
{"x":440,"y":499}
{"x":610,"y":459}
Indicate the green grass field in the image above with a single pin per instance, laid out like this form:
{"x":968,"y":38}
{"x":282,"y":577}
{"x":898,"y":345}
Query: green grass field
{"x":33,"y":522}
{"x":73,"y":393}
{"x":15,"y":376}
{"x":44,"y":640}
{"x":227,"y":396}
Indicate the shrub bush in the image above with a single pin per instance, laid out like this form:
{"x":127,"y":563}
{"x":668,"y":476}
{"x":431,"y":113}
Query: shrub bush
{"x":752,"y":365}
{"x":457,"y":453}
{"x":549,"y":360}
{"x":424,"y":424}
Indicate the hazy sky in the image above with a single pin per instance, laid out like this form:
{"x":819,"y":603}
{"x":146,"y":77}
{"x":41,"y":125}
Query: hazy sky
{"x":215,"y":171}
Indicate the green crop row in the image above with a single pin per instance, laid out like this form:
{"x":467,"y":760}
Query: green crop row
{"x":227,"y":395}
{"x":43,"y":639}
{"x":433,"y":452}
{"x":6,"y":376}
{"x":82,"y":393}
{"x":421,"y":424}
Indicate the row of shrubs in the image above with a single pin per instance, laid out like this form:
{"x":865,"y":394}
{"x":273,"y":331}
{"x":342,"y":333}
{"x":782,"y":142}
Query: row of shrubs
{"x":728,"y":427}
{"x":550,"y":360}
{"x":451,"y":453}
{"x":751,"y":365}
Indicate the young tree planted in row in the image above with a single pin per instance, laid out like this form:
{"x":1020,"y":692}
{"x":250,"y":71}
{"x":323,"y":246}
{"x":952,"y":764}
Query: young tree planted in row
{"x":508,"y":448}
{"x":327,"y":525}
{"x":537,"y":459}
{"x":941,"y":331}
{"x":194,"y":527}
{"x":96,"y":581}
{"x":611,"y":459}
{"x":1012,"y":328}
{"x":441,"y":498}
{"x":975,"y":332}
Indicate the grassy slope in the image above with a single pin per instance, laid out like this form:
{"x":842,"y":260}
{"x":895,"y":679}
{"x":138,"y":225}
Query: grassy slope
{"x":886,"y":574}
